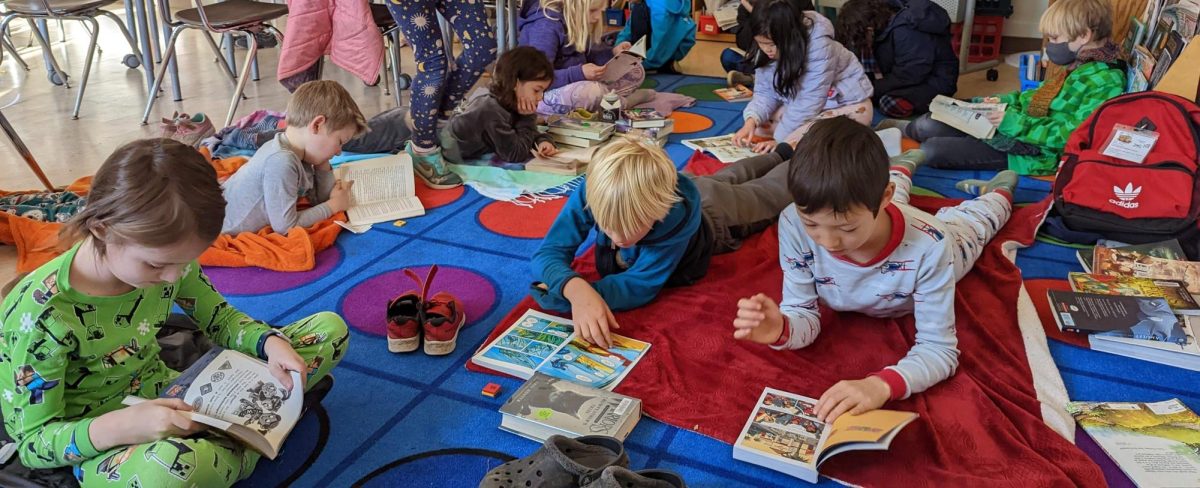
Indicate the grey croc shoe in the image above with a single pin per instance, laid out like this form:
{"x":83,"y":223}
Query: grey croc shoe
{"x":621,"y":477}
{"x":561,"y":462}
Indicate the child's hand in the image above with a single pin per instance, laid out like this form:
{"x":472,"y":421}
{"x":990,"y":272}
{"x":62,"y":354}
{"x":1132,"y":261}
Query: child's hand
{"x":339,"y":197}
{"x":622,"y":47}
{"x":281,"y":358}
{"x":527,"y":105}
{"x":995,"y":117}
{"x":765,"y":146}
{"x":592,"y":72}
{"x":146,"y":422}
{"x":591,"y":314}
{"x":546,"y":149}
{"x":758,"y":320}
{"x":744,"y":136}
{"x":323,"y":167}
{"x":991,"y":99}
{"x":853,"y":397}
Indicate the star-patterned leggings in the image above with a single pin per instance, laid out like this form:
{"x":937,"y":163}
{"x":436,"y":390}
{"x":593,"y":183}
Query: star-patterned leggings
{"x":433,"y":91}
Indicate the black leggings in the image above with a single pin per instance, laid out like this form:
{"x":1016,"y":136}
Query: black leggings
{"x":949,"y":148}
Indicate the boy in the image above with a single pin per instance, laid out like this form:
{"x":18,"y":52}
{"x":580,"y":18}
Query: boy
{"x":321,"y":117}
{"x":653,"y":229}
{"x":853,"y":242}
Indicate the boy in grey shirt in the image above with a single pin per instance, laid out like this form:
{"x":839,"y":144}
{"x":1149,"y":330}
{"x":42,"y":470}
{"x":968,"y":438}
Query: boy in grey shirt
{"x":321,"y":117}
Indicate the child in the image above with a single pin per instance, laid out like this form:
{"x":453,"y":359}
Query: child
{"x":654,"y":228}
{"x":668,"y":28}
{"x":79,"y":332}
{"x":496,"y":122}
{"x":904,"y":46}
{"x":853,"y":243}
{"x":738,"y":63}
{"x":803,"y":75}
{"x":568,"y":33}
{"x":321,"y":117}
{"x":1031,"y":132}
{"x":437,"y":90}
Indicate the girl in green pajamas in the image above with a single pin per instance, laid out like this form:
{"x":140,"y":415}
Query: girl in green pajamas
{"x":78,"y":333}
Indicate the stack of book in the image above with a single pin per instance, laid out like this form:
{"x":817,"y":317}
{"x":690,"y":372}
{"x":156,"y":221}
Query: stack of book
{"x":1137,"y":301}
{"x":1156,"y":39}
{"x":579,"y":133}
{"x":646,"y":123}
{"x":726,"y":16}
{"x":570,"y":161}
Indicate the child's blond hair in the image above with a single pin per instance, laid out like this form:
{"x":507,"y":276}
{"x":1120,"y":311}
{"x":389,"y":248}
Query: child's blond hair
{"x":581,"y":33}
{"x":328,"y":98}
{"x":630,"y":186}
{"x":1073,"y":19}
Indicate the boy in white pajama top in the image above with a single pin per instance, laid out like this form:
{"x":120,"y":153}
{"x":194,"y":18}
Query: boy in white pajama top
{"x":853,"y":242}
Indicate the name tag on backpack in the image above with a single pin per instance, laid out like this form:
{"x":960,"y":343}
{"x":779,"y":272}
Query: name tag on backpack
{"x":1129,"y":143}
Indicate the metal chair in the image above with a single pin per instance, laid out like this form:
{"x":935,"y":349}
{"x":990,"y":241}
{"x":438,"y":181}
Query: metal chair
{"x":391,"y":37}
{"x":247,"y":17}
{"x":84,"y":11}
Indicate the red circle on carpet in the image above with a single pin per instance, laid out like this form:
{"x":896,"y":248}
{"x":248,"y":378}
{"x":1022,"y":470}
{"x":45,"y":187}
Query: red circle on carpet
{"x":688,"y":123}
{"x":365,"y":306}
{"x":512,"y":220}
{"x":431,"y":198}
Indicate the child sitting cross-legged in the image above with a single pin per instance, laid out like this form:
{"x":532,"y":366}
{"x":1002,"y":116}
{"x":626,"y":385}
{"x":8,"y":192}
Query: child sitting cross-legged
{"x":321,"y":117}
{"x":852,"y":242}
{"x":654,"y":228}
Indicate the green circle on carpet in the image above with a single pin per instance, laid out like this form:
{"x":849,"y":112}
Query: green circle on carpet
{"x":649,"y":83}
{"x":925,"y":192}
{"x":701,"y":91}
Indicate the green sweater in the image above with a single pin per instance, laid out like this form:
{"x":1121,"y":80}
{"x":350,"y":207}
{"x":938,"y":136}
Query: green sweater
{"x":75,"y":357}
{"x":1085,"y":89}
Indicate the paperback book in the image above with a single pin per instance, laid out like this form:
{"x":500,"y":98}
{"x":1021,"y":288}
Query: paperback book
{"x":1120,"y":316}
{"x":545,"y":406}
{"x":1127,"y":262}
{"x":971,"y":118}
{"x":1164,"y":249}
{"x":583,"y":129}
{"x":783,"y":434}
{"x":641,"y":118}
{"x":1155,"y":444}
{"x":539,"y":342}
{"x":721,"y":147}
{"x":737,"y":93}
{"x":572,"y":161}
{"x":1186,"y":356}
{"x":236,"y":394}
{"x":1173,"y":291}
{"x":383,"y":190}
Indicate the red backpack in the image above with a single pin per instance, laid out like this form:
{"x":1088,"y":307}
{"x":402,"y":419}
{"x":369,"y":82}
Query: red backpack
{"x":1156,"y":200}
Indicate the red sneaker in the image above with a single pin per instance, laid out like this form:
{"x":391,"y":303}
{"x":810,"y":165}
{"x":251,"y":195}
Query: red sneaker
{"x":404,"y":318}
{"x":442,"y":320}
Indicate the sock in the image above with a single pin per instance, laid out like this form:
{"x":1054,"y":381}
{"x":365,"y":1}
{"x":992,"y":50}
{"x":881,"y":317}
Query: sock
{"x":422,"y":150}
{"x":1005,"y":182}
{"x":908,"y":162}
{"x":889,"y":123}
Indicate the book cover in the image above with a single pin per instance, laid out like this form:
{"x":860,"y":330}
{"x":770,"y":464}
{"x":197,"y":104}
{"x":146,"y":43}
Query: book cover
{"x":1127,"y":262}
{"x":548,"y":344}
{"x":735,"y":94}
{"x":1137,"y":31}
{"x":640,"y":118}
{"x":544,"y":406}
{"x":782,"y":433}
{"x":1155,"y":444}
{"x":585,"y":129}
{"x":1085,"y":259}
{"x":1186,"y":356}
{"x":1134,"y":317}
{"x":1175,"y":292}
{"x":968,"y":117}
{"x":560,"y":139}
{"x":721,"y":147}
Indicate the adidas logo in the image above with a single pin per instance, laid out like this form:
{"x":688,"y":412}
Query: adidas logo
{"x":1126,"y":196}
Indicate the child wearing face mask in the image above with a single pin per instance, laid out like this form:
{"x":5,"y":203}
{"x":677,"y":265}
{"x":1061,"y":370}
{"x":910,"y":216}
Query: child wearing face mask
{"x":1032,"y":130}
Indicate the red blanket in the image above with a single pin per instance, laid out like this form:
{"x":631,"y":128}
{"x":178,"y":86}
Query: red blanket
{"x":981,"y":427}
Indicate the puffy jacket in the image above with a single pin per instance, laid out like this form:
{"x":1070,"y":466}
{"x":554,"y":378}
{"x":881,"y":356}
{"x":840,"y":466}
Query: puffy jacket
{"x":915,"y":56}
{"x":343,"y":29}
{"x":544,"y":30}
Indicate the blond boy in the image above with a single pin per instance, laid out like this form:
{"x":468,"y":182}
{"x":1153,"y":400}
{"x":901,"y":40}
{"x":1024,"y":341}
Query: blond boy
{"x":321,"y":117}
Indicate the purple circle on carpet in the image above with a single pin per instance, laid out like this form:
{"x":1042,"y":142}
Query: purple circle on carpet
{"x":258,"y":281}
{"x":365,"y":305}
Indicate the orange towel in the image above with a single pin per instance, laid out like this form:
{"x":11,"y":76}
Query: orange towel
{"x":37,"y":242}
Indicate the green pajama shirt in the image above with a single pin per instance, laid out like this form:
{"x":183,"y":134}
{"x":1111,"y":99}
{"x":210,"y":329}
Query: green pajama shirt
{"x":67,"y":358}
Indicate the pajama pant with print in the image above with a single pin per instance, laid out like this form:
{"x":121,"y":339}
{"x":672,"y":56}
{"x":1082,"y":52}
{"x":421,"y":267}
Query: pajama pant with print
{"x":972,"y":223}
{"x":588,"y":94}
{"x":434,"y":92}
{"x":210,"y":460}
{"x":55,"y":206}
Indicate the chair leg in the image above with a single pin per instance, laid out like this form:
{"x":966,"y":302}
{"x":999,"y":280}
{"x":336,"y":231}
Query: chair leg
{"x":385,"y":70}
{"x":162,"y":70}
{"x":6,"y":40}
{"x":48,"y":53}
{"x":220,"y":58}
{"x":87,"y":63}
{"x":252,"y":44}
{"x":124,"y":31}
{"x":19,"y":145}
{"x":397,"y":73}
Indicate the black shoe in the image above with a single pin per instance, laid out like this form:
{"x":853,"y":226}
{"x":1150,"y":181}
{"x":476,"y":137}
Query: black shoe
{"x":265,"y":40}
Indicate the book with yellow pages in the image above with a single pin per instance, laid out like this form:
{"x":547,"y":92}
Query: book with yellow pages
{"x":783,"y":434}
{"x":383,"y":190}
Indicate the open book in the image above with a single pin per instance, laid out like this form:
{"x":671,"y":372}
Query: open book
{"x":548,"y":344}
{"x":573,"y":161}
{"x":236,"y":394}
{"x":783,"y":434}
{"x":720,"y":147}
{"x":968,"y":117}
{"x":383,"y":190}
{"x":627,"y":65}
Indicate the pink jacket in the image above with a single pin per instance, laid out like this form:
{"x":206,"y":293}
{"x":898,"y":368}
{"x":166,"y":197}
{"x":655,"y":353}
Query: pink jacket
{"x":342,"y":28}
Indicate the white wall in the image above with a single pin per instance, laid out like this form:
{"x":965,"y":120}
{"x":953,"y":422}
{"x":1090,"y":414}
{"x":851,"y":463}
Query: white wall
{"x":1024,"y":20}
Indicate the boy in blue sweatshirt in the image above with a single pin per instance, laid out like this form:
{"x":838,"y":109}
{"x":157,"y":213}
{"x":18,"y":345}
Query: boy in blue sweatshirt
{"x":654,"y":228}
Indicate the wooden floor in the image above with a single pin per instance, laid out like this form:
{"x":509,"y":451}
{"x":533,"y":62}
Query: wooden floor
{"x":112,"y":107}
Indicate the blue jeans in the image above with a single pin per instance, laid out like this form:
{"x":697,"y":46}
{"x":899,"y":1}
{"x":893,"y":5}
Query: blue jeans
{"x":435,"y":92}
{"x":733,"y":61}
{"x":949,"y":148}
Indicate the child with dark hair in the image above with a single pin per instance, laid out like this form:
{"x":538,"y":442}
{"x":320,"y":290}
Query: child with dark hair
{"x":852,"y":242}
{"x":904,"y":46}
{"x":802,"y":75}
{"x":504,"y":121}
{"x":739,"y":63}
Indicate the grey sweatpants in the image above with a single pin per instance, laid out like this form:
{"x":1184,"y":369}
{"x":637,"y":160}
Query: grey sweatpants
{"x":744,"y":198}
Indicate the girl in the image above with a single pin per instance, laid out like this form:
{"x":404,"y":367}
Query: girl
{"x":496,"y":122}
{"x":568,"y":33}
{"x":78,"y":333}
{"x":904,"y":46}
{"x":1031,"y":131}
{"x":668,"y":27}
{"x":434,"y":93}
{"x":803,"y":75}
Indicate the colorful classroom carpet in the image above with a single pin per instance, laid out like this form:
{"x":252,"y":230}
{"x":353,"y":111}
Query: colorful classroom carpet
{"x":414,"y":420}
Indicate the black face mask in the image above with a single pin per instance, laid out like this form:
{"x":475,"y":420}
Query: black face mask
{"x":1060,"y":53}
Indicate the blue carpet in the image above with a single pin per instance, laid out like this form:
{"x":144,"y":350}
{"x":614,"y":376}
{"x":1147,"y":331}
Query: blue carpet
{"x":413,"y":420}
